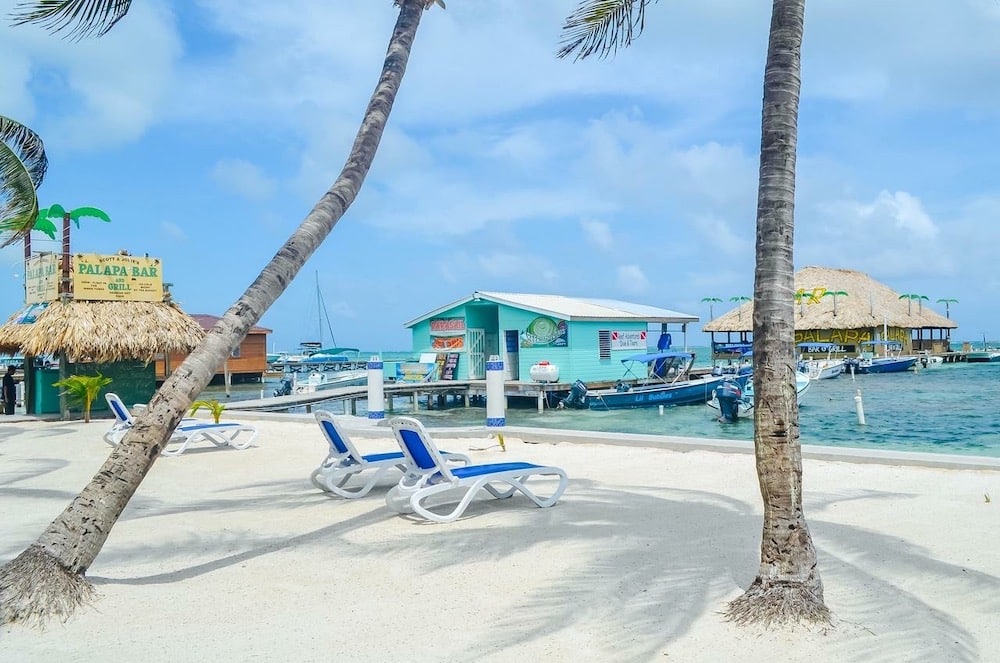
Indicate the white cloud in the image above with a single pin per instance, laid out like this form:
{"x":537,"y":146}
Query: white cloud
{"x":597,"y":233}
{"x":242,"y":177}
{"x":173,"y":230}
{"x":632,"y":280}
{"x":97,"y":92}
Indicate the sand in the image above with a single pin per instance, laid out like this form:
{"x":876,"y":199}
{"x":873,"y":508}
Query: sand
{"x":228,"y":555}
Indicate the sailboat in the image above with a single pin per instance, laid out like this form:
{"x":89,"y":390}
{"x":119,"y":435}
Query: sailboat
{"x":313,"y":356}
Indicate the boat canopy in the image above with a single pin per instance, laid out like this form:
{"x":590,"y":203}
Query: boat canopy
{"x":882,"y":342}
{"x":337,"y":351}
{"x":733,"y":348}
{"x":655,"y":356}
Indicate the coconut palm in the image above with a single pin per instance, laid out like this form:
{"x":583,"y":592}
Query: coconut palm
{"x":22,"y":168}
{"x":711,"y":301}
{"x":47,"y":579}
{"x":788,"y":585}
{"x":947,"y":305}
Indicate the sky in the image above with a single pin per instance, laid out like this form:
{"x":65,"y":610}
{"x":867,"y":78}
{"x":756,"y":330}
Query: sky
{"x":207,"y":129}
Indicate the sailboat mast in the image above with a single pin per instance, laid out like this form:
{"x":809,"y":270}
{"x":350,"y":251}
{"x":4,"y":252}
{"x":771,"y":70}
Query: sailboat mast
{"x":319,"y":310}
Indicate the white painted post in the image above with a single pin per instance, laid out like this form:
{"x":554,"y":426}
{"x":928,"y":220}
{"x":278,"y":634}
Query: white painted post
{"x":496,"y":403}
{"x":376,"y":390}
{"x":860,"y":407}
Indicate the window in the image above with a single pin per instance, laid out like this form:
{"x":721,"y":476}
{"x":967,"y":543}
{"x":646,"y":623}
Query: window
{"x":604,"y":344}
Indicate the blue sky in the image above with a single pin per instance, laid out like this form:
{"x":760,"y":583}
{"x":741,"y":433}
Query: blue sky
{"x":207,"y":130}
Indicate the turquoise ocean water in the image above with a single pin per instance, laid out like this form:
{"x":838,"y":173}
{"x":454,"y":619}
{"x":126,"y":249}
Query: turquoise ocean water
{"x":950,"y":408}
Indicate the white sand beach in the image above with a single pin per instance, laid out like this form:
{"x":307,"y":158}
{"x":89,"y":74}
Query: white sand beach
{"x":228,"y":555}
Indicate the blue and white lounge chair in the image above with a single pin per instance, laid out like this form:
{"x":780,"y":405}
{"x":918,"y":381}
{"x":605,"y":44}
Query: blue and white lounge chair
{"x":222,"y":434}
{"x":344,"y":461}
{"x":428,"y":476}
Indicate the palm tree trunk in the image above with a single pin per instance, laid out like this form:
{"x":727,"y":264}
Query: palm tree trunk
{"x":46,"y":580}
{"x":788,"y":585}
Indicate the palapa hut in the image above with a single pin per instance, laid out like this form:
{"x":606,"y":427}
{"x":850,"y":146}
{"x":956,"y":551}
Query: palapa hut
{"x":845,"y":307}
{"x":119,"y":339}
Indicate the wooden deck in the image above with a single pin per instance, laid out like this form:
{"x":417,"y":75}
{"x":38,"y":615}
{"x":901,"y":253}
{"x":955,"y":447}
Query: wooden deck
{"x":462,"y":392}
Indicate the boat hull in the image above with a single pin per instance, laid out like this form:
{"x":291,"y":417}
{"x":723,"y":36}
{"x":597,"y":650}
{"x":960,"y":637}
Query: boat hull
{"x":979,"y":357}
{"x":882,"y":365}
{"x":822,"y":369}
{"x":690,"y":392}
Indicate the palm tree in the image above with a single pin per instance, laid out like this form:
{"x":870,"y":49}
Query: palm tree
{"x":57,"y":212}
{"x":711,"y":301}
{"x":835,"y":294}
{"x":788,"y":584}
{"x":739,"y":299}
{"x":947,"y":305}
{"x":909,"y":302}
{"x":47,"y":579}
{"x":23,"y":165}
{"x":800,"y":298}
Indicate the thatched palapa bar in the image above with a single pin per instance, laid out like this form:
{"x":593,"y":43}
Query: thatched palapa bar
{"x":103,"y":331}
{"x":846,"y":307}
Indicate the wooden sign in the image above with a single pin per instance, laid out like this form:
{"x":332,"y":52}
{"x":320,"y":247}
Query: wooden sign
{"x":41,"y":279}
{"x":117,"y":278}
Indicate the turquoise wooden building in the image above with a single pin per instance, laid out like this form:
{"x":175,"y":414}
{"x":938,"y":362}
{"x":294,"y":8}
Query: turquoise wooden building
{"x":583,"y":339}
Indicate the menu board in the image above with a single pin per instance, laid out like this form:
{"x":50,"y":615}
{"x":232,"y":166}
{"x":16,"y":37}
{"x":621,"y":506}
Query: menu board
{"x":450,"y":366}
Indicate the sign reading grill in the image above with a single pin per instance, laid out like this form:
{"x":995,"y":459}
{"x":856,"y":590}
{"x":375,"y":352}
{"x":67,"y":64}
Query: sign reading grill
{"x":117,"y":278}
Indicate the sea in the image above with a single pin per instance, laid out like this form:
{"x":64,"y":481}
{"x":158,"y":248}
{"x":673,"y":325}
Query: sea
{"x":951,"y":408}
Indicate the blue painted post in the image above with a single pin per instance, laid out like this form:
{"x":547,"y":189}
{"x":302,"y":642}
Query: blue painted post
{"x":376,"y":392}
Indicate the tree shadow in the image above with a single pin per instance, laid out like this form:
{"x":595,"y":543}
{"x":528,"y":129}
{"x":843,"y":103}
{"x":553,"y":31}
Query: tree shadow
{"x":634,"y":568}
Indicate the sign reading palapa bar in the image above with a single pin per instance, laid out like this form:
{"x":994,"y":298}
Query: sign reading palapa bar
{"x":41,"y":279}
{"x":117,"y":278}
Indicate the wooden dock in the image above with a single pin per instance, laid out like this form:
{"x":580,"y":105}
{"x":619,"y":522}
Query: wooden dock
{"x":463,"y":392}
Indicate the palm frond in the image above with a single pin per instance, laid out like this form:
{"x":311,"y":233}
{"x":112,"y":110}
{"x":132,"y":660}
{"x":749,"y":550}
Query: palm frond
{"x":92,"y":212}
{"x":79,"y":18}
{"x":28,"y":147}
{"x":43,"y":225}
{"x":601,"y":26}
{"x":18,"y":198}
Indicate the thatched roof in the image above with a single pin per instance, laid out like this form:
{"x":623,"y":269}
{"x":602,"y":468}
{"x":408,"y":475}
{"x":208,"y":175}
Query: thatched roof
{"x":868,"y":303}
{"x":103,"y":331}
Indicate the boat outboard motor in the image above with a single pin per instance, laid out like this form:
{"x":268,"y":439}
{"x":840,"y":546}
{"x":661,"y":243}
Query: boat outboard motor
{"x":728,"y":394}
{"x":577,"y":397}
{"x":285,"y":389}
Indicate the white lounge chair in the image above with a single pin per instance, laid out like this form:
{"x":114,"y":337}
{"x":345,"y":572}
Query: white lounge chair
{"x":344,"y":461}
{"x":190,"y":430}
{"x":428,"y":476}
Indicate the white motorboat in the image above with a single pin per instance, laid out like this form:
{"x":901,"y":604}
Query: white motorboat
{"x":820,"y":368}
{"x":733,"y":399}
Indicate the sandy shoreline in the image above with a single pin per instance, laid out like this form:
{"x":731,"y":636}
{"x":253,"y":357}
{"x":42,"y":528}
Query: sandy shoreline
{"x":229,"y":554}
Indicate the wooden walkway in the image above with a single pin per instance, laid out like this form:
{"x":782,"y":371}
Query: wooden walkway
{"x":466,"y":390}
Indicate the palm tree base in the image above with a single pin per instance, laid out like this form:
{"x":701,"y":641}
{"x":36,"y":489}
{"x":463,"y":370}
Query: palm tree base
{"x":35,"y":588}
{"x":780,"y":603}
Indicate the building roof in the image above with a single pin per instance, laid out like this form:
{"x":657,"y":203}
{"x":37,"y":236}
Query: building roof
{"x":102,"y":331}
{"x":574,"y":309}
{"x":860,"y":302}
